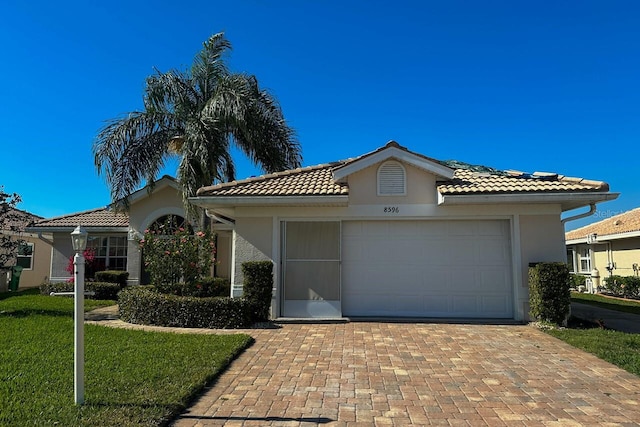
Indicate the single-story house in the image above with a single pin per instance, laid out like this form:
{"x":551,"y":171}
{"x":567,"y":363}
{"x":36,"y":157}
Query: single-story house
{"x":609,"y":246}
{"x":33,"y":254}
{"x":114,"y":235}
{"x":396,"y":233}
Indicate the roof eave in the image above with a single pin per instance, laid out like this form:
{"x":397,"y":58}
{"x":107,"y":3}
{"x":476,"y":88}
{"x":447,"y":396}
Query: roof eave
{"x":392,"y":153}
{"x":90,"y":229}
{"x":568,"y":201}
{"x":605,"y":237}
{"x":227,"y":201}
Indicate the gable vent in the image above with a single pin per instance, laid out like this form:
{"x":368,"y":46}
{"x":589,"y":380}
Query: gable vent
{"x":391,"y":179}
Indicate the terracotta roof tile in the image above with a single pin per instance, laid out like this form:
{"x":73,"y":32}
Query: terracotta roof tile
{"x":623,"y":223}
{"x":468,"y":179}
{"x":309,"y":181}
{"x":93,"y":218}
{"x":468,"y":182}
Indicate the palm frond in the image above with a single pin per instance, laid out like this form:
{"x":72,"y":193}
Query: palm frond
{"x":132,"y":149}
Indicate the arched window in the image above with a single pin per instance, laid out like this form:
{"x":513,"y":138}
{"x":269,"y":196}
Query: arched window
{"x":169,"y":224}
{"x":392,"y":179}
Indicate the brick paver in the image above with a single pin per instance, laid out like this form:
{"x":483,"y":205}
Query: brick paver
{"x":395,"y":374}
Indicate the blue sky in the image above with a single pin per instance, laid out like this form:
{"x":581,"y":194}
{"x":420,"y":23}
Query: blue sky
{"x":535,"y":86}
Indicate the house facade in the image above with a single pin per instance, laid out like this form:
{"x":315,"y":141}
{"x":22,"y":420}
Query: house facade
{"x":33,"y":254}
{"x":396,"y":233}
{"x":607,"y":247}
{"x":113,"y":235}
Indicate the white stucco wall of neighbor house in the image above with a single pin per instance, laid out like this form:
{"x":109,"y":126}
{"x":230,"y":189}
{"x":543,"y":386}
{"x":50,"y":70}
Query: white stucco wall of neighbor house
{"x":541,"y":240}
{"x":252,"y":242}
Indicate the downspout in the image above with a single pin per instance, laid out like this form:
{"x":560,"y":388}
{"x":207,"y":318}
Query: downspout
{"x":592,"y":210}
{"x":41,"y":237}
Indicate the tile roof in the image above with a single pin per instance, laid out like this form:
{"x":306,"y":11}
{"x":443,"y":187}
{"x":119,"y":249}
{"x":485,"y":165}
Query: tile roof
{"x":309,"y":181}
{"x":466,"y":181}
{"x":18,"y":219}
{"x":318,"y":180}
{"x":623,"y":223}
{"x":94,"y":218}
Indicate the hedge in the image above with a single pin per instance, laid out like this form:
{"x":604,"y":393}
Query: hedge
{"x":103,"y":290}
{"x":258,"y":286}
{"x":203,"y":288}
{"x":144,"y":305}
{"x":623,"y":286}
{"x":112,"y":276}
{"x":549,"y":294}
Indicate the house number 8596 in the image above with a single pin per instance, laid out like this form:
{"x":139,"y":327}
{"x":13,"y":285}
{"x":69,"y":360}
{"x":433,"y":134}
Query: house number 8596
{"x":391,"y":209}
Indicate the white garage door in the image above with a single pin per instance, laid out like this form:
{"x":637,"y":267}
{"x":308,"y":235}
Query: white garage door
{"x":454,"y":269}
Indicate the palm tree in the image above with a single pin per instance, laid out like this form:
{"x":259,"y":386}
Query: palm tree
{"x":196,"y":115}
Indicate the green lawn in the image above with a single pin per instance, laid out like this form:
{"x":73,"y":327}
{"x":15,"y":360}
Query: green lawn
{"x":132,"y":377}
{"x":619,"y":348}
{"x":628,"y":306}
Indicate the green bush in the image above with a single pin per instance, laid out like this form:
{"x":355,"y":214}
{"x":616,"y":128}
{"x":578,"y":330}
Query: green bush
{"x":112,"y":276}
{"x":144,"y":305}
{"x":103,"y":290}
{"x":623,"y":286}
{"x":257,"y":287}
{"x":577,"y":280}
{"x":549,"y":294}
{"x":203,"y":288}
{"x":177,"y":255}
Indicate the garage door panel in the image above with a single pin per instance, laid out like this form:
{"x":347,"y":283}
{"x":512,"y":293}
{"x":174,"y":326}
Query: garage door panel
{"x":427,"y":269}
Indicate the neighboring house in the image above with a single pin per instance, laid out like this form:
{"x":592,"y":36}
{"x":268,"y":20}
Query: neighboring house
{"x":114,"y":236}
{"x":395,"y":233}
{"x":610,"y":246}
{"x":34,"y":254}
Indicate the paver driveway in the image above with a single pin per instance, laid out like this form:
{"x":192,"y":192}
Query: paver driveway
{"x":383,"y":374}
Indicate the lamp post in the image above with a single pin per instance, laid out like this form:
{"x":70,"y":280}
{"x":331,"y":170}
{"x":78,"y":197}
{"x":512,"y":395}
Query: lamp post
{"x":79,"y":243}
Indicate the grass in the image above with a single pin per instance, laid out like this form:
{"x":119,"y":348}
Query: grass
{"x":132,"y":378}
{"x":619,"y":348}
{"x":628,"y":306}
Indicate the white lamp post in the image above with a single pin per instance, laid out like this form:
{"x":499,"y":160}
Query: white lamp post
{"x":79,"y":243}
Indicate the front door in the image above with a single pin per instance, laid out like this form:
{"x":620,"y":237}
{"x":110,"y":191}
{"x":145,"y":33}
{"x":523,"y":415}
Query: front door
{"x":311,"y":273}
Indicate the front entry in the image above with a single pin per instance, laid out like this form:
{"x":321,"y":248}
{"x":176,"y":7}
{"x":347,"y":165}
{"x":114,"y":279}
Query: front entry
{"x":311,"y":273}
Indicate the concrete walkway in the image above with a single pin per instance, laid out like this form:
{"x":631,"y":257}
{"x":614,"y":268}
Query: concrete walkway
{"x":617,"y":320}
{"x":397,"y":374}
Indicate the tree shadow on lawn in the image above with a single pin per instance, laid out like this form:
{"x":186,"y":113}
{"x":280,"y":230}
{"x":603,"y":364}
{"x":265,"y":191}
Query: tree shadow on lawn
{"x":26,"y":312}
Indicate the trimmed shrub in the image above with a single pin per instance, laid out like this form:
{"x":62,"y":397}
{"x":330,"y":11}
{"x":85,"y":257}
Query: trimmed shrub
{"x":623,"y":286}
{"x":103,"y":290}
{"x":257,"y":287}
{"x":577,"y":280}
{"x":549,"y":294}
{"x":203,"y":288}
{"x":112,"y":276}
{"x":143,"y":305}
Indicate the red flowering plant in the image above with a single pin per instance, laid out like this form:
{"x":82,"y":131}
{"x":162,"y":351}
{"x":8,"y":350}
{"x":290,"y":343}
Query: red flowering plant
{"x":90,"y":265}
{"x":176,"y":255}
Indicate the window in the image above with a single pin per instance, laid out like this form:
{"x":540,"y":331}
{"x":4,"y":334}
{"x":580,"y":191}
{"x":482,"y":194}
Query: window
{"x":392,"y":179}
{"x":570,"y":263}
{"x":584,"y":259}
{"x":110,"y":252}
{"x":25,"y":255}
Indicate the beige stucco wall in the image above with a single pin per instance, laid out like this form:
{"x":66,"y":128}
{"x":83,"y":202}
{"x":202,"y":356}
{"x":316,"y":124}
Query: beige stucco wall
{"x":164,"y":201}
{"x":41,"y":263}
{"x":623,"y":252}
{"x":223,"y":254}
{"x":363,"y":187}
{"x":253,"y":242}
{"x":142,"y":214}
{"x":541,"y":240}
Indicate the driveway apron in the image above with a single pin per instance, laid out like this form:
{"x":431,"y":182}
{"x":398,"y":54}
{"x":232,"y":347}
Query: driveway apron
{"x":391,"y":374}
